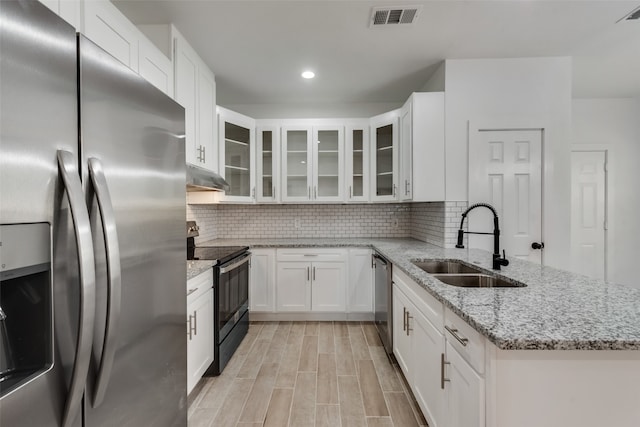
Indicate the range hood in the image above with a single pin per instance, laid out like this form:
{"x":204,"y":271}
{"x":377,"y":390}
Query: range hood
{"x":199,"y":179}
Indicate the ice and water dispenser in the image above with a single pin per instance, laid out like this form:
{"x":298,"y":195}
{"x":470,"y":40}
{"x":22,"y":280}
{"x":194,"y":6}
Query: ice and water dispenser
{"x":25,"y":303}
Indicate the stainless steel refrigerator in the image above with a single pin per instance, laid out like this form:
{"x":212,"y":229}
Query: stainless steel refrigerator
{"x":92,"y":245}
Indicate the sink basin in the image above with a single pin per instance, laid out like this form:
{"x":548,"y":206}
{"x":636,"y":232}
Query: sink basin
{"x":445,"y":267}
{"x":477,"y":281}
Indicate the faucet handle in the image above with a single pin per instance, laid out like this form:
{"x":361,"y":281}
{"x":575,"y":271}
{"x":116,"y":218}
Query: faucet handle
{"x":504,"y":261}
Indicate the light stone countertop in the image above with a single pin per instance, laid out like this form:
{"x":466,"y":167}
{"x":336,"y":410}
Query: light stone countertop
{"x":558,"y":310}
{"x":197,"y":267}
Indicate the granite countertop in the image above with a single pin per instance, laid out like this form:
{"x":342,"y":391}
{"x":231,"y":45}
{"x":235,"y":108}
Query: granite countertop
{"x":558,"y":310}
{"x":195,"y":268}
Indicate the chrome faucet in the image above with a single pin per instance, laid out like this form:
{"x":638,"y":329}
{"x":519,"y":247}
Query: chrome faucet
{"x":497,"y":260}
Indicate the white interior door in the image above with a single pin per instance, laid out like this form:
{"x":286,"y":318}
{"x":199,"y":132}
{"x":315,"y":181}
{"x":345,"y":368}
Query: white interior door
{"x":588,"y":213}
{"x":505,"y":170}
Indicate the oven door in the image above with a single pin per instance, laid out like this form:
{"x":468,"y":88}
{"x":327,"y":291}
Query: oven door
{"x":233,"y":293}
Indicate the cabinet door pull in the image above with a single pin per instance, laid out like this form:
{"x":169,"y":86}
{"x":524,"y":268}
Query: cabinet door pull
{"x":195,"y":322}
{"x":315,"y":192}
{"x":308,"y":274}
{"x":204,"y":154}
{"x":462,"y":340}
{"x":350,"y":192}
{"x":274,"y":192}
{"x":409,"y":317}
{"x":309,"y":192}
{"x":394,"y":190}
{"x":190,"y":328}
{"x":442,"y":378}
{"x":314,"y":273}
{"x":404,"y":318}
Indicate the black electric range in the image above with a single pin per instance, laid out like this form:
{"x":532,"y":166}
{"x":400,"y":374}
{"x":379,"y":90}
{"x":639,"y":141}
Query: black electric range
{"x":231,"y":295}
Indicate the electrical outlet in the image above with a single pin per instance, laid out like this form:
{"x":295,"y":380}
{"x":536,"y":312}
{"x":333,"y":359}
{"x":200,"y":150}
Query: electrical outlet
{"x":296,"y":223}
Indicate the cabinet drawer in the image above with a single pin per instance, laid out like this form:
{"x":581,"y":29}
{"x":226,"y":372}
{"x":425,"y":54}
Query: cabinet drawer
{"x":312,"y":254}
{"x":199,"y":285}
{"x":428,"y":305}
{"x":458,"y":331}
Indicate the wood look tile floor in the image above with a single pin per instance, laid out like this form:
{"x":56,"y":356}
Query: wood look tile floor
{"x":306,"y":374}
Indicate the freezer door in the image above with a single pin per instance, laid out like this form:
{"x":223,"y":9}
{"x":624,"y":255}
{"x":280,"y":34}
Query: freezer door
{"x":38,"y":117}
{"x":134,"y":134}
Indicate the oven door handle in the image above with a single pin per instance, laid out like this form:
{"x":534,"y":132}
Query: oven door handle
{"x":228,"y":267}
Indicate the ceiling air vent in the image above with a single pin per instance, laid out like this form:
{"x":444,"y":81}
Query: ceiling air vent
{"x":384,"y":16}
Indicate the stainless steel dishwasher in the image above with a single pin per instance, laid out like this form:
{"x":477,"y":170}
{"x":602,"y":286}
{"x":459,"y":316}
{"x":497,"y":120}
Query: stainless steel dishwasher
{"x":383,"y":303}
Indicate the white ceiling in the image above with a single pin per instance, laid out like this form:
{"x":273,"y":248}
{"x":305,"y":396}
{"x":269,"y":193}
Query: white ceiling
{"x":257,"y":49}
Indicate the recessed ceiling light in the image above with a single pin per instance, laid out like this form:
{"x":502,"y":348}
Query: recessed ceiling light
{"x":308,"y":74}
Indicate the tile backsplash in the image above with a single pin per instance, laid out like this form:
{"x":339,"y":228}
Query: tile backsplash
{"x":433,"y":222}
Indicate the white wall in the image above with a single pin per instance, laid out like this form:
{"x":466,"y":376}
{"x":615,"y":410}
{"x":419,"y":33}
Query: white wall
{"x":436,"y":82}
{"x":318,"y":111}
{"x":531,"y":91}
{"x":614,"y":125}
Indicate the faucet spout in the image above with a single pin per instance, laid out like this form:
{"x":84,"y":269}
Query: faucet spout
{"x":497,"y":260}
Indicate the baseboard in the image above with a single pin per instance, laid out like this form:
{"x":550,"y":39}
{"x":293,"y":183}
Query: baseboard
{"x":306,"y":316}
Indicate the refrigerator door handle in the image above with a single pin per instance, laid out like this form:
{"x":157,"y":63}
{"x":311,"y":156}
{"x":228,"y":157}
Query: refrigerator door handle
{"x":84,"y":241}
{"x":114,"y":276}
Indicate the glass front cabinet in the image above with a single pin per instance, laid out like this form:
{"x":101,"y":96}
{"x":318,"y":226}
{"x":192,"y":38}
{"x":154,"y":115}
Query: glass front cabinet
{"x":312,"y":164}
{"x":384,"y":157}
{"x":357,"y":162}
{"x":237,"y":155}
{"x":267,"y":166}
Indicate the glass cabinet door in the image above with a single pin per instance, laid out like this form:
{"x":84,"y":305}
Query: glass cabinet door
{"x":328,"y":164}
{"x":236,"y":155}
{"x":385,"y":157}
{"x":357,"y":163}
{"x":296,"y":156}
{"x":267,"y":164}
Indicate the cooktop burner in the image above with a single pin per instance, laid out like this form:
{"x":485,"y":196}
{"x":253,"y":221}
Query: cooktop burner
{"x":221,"y":254}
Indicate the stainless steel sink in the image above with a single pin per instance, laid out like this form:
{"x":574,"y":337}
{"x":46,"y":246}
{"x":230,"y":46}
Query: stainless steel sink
{"x":477,"y":281}
{"x":446,"y":267}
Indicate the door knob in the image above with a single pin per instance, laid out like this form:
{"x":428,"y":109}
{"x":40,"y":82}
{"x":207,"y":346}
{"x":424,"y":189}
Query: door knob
{"x":536,"y":245}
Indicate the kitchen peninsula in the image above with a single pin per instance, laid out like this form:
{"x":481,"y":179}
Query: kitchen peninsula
{"x":496,"y":354}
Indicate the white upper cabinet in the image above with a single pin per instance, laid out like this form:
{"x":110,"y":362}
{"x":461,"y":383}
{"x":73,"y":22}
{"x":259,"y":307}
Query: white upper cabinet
{"x":384,"y":157}
{"x":313,"y":163}
{"x":237,"y":155}
{"x":155,"y":67}
{"x":406,"y":153}
{"x":426,"y":162}
{"x":268,"y":164}
{"x":357,"y":162}
{"x":106,"y":26}
{"x":296,"y":164}
{"x":328,"y":163}
{"x":195,"y":90}
{"x":69,"y":10}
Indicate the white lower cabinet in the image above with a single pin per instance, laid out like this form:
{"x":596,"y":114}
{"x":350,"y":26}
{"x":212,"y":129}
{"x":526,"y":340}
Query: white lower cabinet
{"x":199,"y":327}
{"x":464,"y":392}
{"x":293,"y":289}
{"x":438,"y":365}
{"x":328,"y":283}
{"x":311,"y":280}
{"x":262,"y":280}
{"x":360,"y":283}
{"x":418,"y":347}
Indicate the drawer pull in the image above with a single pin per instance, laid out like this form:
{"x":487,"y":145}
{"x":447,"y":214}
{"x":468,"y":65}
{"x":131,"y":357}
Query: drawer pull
{"x":409,"y":317}
{"x":460,"y":339}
